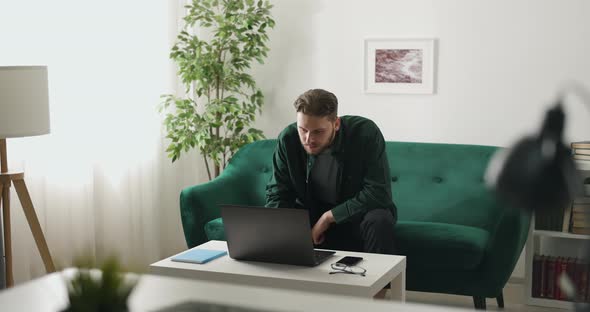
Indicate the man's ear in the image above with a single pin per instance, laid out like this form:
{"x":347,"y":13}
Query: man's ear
{"x":337,"y":124}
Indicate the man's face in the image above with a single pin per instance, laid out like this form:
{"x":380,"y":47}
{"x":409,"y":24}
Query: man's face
{"x":316,"y":133}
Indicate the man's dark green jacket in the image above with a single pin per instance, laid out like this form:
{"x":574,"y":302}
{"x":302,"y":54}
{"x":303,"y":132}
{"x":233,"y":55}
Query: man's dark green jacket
{"x":364,"y":181}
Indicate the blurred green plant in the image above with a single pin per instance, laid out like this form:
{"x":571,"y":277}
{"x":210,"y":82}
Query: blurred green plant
{"x":214,"y":74}
{"x":101,"y":290}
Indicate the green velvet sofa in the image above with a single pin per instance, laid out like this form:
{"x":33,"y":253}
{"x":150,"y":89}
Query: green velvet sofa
{"x":457,"y":237}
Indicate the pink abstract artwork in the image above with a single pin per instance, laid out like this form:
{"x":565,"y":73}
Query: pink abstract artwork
{"x":398,"y":65}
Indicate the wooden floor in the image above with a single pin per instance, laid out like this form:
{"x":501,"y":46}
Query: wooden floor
{"x":513,"y":300}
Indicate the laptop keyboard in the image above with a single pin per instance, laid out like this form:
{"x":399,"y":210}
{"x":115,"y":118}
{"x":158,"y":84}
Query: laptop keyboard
{"x":321,"y":255}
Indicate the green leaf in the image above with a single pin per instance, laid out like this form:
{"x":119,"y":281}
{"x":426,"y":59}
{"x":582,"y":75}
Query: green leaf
{"x":215,"y":71}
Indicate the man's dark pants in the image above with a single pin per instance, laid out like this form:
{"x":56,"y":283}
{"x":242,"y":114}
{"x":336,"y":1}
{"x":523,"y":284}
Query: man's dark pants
{"x":372,"y":232}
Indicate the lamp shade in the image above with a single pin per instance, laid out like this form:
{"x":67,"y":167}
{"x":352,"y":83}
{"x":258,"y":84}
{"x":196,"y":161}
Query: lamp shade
{"x":24,"y":101}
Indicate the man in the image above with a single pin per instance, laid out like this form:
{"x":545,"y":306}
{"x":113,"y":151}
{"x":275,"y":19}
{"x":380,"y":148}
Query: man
{"x":335,"y":167}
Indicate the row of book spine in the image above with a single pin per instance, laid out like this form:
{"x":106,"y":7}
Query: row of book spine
{"x":547,"y":271}
{"x":579,"y":218}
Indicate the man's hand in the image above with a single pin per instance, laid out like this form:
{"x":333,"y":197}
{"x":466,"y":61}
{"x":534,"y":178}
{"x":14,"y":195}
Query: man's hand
{"x":320,"y":228}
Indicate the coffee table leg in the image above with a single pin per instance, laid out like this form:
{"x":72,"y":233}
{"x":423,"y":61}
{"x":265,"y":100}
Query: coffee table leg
{"x":398,"y":287}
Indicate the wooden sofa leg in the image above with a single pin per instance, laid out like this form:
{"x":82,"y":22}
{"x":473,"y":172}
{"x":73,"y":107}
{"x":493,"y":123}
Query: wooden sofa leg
{"x":479,"y":302}
{"x":500,"y":300}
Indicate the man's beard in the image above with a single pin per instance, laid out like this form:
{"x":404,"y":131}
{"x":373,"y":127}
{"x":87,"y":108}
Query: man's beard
{"x":331,"y":141}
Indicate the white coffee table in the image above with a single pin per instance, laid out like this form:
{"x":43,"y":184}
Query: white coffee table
{"x":153,"y":292}
{"x":381,"y":269}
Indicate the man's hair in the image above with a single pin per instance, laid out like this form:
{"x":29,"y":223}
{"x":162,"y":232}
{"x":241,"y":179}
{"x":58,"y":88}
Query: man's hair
{"x":317,"y":102}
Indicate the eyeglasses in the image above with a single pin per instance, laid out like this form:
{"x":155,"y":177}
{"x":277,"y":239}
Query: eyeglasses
{"x":343,"y":268}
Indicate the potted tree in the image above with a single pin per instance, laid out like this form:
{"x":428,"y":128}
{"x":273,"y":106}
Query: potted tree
{"x":221,"y":99}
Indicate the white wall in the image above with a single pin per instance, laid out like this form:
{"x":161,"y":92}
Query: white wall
{"x":100,"y":182}
{"x":500,"y":65}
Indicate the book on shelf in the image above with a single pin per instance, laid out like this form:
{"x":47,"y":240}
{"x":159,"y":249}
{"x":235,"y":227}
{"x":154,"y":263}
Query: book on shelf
{"x":543,"y":277}
{"x":581,"y":280}
{"x":580,"y":144}
{"x":536,"y":286}
{"x":560,"y":269}
{"x":581,"y":157}
{"x":580,"y":213}
{"x":572,"y":266}
{"x":556,"y":287}
{"x":580,"y":220}
{"x":581,"y":230}
{"x":579,"y":226}
{"x":581,"y":208}
{"x":563,"y":266}
{"x":550,"y":283}
{"x":581,"y":151}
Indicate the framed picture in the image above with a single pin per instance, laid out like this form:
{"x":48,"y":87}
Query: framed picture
{"x":399,"y":66}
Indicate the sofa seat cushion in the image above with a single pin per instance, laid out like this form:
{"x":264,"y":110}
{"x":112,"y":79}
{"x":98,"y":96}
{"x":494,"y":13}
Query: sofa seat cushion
{"x":430,"y":245}
{"x":427,"y":245}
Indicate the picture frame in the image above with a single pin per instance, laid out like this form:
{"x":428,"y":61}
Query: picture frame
{"x":398,"y":66}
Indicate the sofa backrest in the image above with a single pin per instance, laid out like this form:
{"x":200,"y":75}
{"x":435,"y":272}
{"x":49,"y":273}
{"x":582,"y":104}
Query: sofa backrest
{"x":430,"y":181}
{"x":442,"y":183}
{"x":253,"y":164}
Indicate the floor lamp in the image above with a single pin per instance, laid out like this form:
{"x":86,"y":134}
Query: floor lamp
{"x":24,"y":111}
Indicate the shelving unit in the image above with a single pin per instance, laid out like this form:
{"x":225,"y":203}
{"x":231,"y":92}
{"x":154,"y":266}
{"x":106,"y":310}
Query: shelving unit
{"x":550,"y":243}
{"x":556,"y":243}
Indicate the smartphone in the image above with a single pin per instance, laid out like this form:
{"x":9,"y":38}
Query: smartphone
{"x":350,"y":261}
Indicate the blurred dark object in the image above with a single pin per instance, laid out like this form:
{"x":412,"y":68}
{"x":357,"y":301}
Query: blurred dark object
{"x":538,"y":174}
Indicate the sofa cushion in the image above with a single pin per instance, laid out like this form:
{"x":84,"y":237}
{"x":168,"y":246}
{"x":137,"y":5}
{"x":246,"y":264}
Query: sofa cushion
{"x":431,"y":245}
{"x":427,"y":245}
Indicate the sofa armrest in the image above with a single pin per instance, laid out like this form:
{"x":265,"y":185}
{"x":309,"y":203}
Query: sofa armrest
{"x":506,"y":245}
{"x":199,"y":204}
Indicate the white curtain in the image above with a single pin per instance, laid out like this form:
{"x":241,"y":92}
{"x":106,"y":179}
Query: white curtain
{"x":100,"y":182}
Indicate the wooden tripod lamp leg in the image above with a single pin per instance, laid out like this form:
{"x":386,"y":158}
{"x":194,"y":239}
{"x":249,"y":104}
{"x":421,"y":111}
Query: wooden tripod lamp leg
{"x":25,"y":200}
{"x":6,"y":225}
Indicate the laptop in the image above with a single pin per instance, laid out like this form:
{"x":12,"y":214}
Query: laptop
{"x":277,"y":235}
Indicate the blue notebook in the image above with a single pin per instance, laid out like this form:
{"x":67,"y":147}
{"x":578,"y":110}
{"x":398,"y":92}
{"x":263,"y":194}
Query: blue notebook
{"x":198,"y":255}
